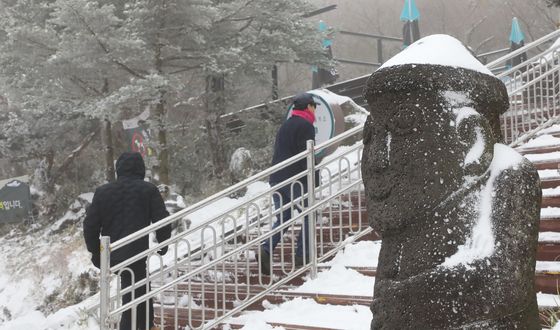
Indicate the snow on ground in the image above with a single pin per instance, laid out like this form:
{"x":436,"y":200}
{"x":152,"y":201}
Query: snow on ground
{"x":38,"y":265}
{"x":548,"y":266}
{"x":550,"y":192}
{"x":542,"y":141}
{"x":547,"y":174}
{"x":549,"y":236}
{"x":550,"y":212}
{"x":543,"y":157}
{"x":307,"y":312}
{"x":338,"y":279}
{"x":359,"y":254}
{"x":335,"y":281}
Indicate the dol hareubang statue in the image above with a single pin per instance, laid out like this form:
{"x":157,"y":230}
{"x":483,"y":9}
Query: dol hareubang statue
{"x":457,"y":212}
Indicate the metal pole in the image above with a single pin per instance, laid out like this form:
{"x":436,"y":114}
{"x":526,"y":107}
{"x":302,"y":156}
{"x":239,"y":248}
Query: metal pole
{"x":275,"y":82}
{"x":380,"y":51}
{"x":312,"y":222}
{"x":105,"y":283}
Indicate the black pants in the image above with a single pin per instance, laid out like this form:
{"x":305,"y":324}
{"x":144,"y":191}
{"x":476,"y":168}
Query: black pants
{"x":139,"y":269}
{"x":287,"y":195}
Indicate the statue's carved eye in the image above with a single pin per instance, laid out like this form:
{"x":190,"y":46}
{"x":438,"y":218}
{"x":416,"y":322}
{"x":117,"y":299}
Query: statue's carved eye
{"x":404,"y":122}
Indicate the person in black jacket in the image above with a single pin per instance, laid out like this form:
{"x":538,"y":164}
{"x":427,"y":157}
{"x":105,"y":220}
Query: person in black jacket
{"x":291,"y":140}
{"x":119,"y":209}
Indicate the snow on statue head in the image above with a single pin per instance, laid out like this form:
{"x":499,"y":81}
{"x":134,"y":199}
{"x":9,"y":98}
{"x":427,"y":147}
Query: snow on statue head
{"x":458,"y":212}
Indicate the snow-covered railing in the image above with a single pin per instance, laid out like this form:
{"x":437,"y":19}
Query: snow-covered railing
{"x":214,"y":255}
{"x":533,"y":86}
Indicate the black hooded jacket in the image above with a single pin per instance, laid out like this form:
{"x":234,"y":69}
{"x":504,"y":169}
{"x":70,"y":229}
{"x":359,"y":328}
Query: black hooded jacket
{"x":123,"y":207}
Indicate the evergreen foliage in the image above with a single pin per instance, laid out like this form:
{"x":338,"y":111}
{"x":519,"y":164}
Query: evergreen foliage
{"x":66,"y":66}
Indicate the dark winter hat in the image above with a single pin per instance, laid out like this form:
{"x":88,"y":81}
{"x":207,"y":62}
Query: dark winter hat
{"x":301,"y":101}
{"x":130,"y":164}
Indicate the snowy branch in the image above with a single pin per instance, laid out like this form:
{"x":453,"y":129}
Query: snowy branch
{"x":104,"y":47}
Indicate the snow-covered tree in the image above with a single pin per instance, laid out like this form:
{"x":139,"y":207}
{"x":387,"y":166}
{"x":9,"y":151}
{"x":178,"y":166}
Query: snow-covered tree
{"x":101,"y":61}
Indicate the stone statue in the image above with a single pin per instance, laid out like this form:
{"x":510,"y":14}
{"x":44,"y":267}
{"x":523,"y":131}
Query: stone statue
{"x":458,"y":213}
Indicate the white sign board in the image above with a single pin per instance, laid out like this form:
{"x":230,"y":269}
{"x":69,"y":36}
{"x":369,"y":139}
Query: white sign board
{"x":328,"y":116}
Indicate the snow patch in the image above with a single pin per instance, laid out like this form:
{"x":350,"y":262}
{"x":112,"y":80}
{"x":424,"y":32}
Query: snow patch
{"x":335,"y":281}
{"x":456,"y":99}
{"x":542,"y":141}
{"x":481,"y":242}
{"x":359,"y":254}
{"x":307,"y":312}
{"x":438,"y":49}
{"x":477,"y":150}
{"x":13,"y":184}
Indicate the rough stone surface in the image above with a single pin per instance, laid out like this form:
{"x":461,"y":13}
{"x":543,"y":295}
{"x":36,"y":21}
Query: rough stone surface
{"x":424,"y":196}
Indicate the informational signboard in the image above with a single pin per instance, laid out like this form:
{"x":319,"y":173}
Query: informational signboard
{"x":329,"y":120}
{"x":15,"y":201}
{"x":137,"y":134}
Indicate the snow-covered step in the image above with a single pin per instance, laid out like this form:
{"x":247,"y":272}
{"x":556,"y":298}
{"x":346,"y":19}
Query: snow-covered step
{"x":304,"y":314}
{"x":550,"y":213}
{"x":548,"y":174}
{"x":547,"y":276}
{"x":551,"y":192}
{"x":542,"y":141}
{"x":549,"y":246}
{"x":545,"y":161}
{"x":549,"y":237}
{"x":540,"y":150}
{"x":548,"y":267}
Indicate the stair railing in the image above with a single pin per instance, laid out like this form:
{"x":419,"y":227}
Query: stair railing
{"x":532,"y":87}
{"x":210,"y":256}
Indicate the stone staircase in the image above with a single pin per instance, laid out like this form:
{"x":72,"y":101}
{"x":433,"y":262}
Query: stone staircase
{"x":547,"y":161}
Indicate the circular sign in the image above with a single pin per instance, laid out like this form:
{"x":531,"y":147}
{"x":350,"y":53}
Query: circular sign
{"x":137,"y":144}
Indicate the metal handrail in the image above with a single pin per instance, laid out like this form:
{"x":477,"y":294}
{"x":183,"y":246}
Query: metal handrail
{"x":526,"y":48}
{"x":228,"y":191}
{"x":112,"y":312}
{"x":529,"y":87}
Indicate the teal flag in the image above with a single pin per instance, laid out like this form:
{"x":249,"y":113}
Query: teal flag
{"x":516,"y":35}
{"x":410,"y":11}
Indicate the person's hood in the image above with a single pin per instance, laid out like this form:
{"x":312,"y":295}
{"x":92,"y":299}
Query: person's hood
{"x":131,"y":164}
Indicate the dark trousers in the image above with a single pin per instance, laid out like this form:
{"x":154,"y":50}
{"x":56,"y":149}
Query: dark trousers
{"x":287,"y":197}
{"x":139,"y":269}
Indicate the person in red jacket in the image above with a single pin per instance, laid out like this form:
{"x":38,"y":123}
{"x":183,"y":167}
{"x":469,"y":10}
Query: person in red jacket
{"x":119,"y":209}
{"x":291,"y":140}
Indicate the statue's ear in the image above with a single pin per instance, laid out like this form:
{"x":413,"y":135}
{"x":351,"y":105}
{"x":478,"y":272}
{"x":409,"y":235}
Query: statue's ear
{"x":476,"y":137}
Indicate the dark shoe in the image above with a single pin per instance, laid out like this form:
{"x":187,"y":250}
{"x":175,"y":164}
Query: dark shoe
{"x":265,"y":262}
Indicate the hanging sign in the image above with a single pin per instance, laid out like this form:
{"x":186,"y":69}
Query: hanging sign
{"x":138,"y":135}
{"x":15,"y":201}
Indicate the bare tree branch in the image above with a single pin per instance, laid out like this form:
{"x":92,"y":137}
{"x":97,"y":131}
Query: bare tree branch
{"x":104,"y":47}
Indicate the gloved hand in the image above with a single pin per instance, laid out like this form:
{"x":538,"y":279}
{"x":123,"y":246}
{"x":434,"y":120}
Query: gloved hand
{"x":96,"y":260}
{"x":162,"y":251}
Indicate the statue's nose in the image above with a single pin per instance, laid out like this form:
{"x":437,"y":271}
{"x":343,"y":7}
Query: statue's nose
{"x":382,"y":152}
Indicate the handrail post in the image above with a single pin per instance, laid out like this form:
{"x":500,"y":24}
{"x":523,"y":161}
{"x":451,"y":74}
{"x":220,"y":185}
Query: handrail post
{"x":105,"y":282}
{"x":380,"y":50}
{"x":312,"y":222}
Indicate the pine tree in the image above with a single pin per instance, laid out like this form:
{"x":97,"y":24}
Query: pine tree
{"x":86,"y":63}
